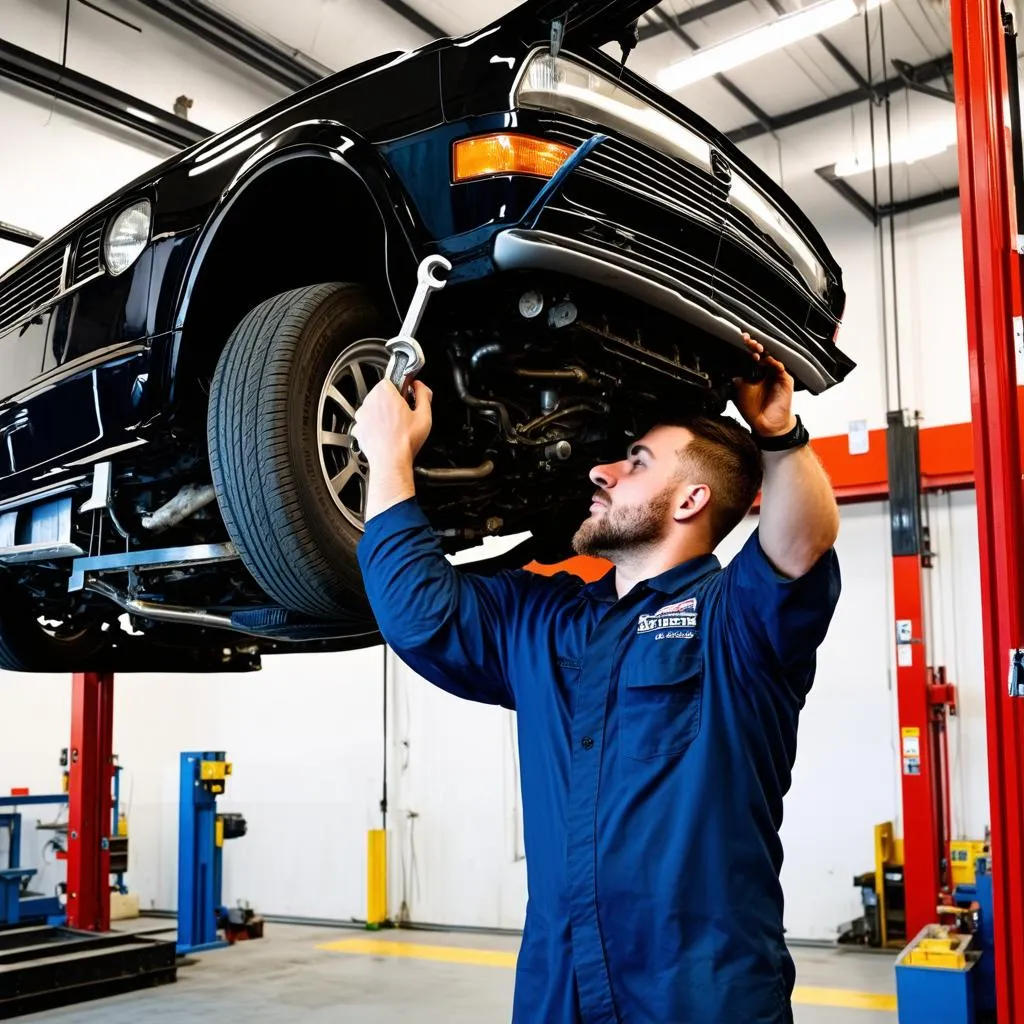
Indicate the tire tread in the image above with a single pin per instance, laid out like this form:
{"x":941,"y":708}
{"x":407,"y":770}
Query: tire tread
{"x":249,"y":454}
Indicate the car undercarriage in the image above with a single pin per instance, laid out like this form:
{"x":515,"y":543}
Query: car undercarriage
{"x":547,"y":382}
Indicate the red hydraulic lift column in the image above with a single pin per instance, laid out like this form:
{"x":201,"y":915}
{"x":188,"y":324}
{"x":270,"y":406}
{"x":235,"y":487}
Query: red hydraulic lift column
{"x":922,"y":840}
{"x":987,"y":210}
{"x":90,"y":803}
{"x":921,"y":844}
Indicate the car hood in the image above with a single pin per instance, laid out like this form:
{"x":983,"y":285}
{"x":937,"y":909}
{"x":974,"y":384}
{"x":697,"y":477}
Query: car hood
{"x":591,"y":22}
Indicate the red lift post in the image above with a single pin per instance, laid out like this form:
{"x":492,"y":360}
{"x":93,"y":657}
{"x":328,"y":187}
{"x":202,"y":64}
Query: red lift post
{"x":991,"y":265}
{"x":922,"y":840}
{"x":90,"y":803}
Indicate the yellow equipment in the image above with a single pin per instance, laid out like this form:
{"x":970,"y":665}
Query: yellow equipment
{"x":882,"y":890}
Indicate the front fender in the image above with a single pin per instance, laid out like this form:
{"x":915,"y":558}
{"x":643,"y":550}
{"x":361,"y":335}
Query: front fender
{"x":405,"y":236}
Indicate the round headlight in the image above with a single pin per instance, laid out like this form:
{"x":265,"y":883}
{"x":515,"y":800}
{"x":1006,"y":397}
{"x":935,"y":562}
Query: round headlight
{"x":127,"y":236}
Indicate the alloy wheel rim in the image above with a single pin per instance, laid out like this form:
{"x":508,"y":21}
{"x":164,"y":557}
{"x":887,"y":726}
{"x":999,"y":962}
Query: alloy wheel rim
{"x":346,"y":385}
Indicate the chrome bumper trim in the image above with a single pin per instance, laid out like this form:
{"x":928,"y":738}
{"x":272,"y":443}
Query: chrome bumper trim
{"x":518,"y":249}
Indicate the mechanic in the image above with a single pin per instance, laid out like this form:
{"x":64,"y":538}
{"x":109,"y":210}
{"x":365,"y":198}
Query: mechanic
{"x":657,"y":708}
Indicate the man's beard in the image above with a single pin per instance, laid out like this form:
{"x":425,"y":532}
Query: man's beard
{"x":624,"y":530}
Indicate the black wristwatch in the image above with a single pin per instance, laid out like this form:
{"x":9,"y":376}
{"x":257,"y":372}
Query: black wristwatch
{"x":795,"y":438}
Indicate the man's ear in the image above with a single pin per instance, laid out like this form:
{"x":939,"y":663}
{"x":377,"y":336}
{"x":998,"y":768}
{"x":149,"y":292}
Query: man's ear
{"x":693,"y":498}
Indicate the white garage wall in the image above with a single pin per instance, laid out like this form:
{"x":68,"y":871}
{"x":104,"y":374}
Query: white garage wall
{"x":305,"y":742}
{"x":932,"y":318}
{"x":305,"y":735}
{"x":459,"y":861}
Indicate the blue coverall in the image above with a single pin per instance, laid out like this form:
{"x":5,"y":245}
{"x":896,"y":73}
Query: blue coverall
{"x":657,"y":734}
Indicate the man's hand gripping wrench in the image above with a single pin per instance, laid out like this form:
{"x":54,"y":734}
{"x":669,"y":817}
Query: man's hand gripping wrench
{"x":407,"y":358}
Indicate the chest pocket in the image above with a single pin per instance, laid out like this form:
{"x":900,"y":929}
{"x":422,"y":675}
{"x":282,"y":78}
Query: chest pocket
{"x":660,"y":707}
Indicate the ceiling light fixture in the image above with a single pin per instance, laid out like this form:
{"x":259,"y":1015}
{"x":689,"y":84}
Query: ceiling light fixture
{"x":776,"y":35}
{"x":931,"y":143}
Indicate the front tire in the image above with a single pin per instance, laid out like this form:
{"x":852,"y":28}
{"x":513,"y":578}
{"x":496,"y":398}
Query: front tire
{"x":282,"y":404}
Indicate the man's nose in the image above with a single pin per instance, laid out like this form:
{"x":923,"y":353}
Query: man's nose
{"x":603,"y":476}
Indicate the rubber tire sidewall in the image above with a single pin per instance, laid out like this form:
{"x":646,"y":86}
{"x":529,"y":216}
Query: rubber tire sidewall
{"x":337,"y":326}
{"x":308,"y":561}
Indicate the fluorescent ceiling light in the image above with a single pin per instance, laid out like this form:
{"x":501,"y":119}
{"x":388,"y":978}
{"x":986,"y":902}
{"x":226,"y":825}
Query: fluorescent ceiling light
{"x":937,"y":140}
{"x":756,"y":42}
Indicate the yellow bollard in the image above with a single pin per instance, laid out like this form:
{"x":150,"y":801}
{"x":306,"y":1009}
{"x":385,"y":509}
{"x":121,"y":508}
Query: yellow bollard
{"x":376,"y":878}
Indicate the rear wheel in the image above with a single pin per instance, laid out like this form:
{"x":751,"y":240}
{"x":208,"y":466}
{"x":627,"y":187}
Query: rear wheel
{"x":33,"y":643}
{"x":282,"y":404}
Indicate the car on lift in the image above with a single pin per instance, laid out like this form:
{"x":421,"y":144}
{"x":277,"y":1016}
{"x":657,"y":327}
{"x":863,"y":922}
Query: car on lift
{"x":181,"y":366}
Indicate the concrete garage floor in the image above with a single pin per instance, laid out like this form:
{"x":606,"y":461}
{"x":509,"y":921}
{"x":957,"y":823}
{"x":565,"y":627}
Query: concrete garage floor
{"x":322,"y":976}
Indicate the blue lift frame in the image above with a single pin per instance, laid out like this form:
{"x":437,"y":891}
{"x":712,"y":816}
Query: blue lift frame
{"x":200,"y":848}
{"x":14,"y":908}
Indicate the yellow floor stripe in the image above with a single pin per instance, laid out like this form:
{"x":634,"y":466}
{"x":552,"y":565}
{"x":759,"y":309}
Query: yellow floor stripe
{"x":802,"y":994}
{"x":843,"y":997}
{"x":447,"y":954}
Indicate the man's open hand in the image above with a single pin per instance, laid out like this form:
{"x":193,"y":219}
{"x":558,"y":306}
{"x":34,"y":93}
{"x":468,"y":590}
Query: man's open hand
{"x":388,"y":431}
{"x":767,"y":404}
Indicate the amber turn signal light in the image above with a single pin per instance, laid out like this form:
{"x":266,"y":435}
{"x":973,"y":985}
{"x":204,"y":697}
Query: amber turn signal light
{"x":501,"y":153}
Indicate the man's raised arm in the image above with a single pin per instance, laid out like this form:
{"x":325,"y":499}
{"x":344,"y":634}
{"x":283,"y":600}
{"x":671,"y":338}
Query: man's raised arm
{"x":453,"y":628}
{"x":799,"y":518}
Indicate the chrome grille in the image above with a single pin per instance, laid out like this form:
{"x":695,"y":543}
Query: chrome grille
{"x":31,"y":288}
{"x":747,"y":267}
{"x":658,"y":178}
{"x":87,"y":256}
{"x":656,"y":253}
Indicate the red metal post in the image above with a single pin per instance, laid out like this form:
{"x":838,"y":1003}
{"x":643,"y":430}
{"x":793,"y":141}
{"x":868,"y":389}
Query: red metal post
{"x":992,"y":290}
{"x":942,"y":704}
{"x":921,"y":842}
{"x":90,"y":802}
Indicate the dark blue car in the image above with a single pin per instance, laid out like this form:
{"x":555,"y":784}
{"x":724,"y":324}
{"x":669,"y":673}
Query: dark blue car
{"x":180,"y":367}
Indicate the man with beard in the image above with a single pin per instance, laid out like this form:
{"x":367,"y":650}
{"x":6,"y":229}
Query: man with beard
{"x":657,"y":708}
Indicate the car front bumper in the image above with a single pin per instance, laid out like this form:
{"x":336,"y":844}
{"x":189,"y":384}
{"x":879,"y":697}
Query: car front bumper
{"x":519,"y":249}
{"x":651,"y":228}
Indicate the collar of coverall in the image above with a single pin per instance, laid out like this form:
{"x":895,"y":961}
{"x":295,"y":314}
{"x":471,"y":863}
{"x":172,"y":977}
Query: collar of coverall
{"x":671,"y":581}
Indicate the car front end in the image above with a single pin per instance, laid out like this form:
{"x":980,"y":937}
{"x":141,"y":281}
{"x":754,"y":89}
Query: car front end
{"x":570,"y":165}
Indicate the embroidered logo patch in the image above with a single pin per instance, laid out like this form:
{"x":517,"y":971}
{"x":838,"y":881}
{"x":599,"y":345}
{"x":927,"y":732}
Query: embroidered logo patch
{"x":679,"y":616}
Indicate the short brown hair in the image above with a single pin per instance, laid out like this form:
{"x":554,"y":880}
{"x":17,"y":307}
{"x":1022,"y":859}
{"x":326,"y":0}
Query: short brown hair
{"x":722,"y":454}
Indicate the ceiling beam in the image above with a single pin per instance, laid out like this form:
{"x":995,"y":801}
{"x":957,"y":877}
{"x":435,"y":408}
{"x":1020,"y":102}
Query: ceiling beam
{"x":29,"y":69}
{"x":651,"y":29}
{"x":918,"y":202}
{"x":420,"y":21}
{"x":875,"y":214}
{"x":282,"y":66}
{"x":733,"y":90}
{"x":930,"y":70}
{"x":848,"y":192}
{"x":859,"y":80}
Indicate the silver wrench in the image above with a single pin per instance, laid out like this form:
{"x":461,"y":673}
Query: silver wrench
{"x":407,"y":358}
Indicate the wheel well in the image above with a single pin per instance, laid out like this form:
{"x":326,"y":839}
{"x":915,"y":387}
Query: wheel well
{"x":303,"y":221}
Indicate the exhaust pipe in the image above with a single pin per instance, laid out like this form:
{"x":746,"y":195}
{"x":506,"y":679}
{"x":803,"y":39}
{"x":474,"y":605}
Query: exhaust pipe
{"x":189,"y":500}
{"x":162,"y":612}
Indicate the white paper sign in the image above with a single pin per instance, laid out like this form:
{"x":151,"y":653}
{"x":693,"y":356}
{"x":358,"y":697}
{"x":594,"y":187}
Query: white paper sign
{"x":904,"y":655}
{"x":857,"y":435}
